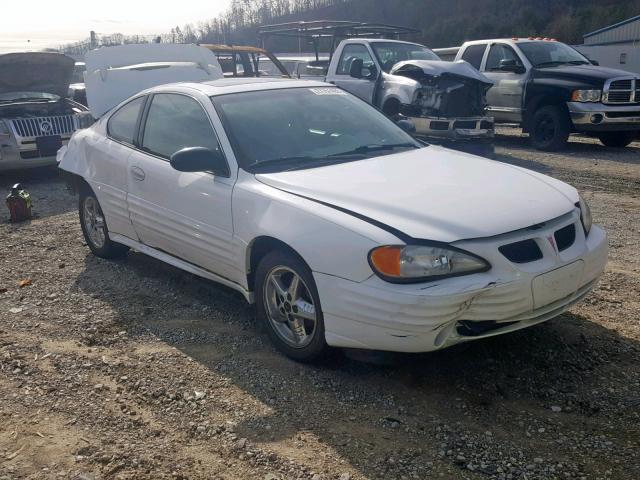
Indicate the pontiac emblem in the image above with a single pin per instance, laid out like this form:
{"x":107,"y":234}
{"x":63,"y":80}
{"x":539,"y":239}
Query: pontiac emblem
{"x":46,"y":127}
{"x":552,"y":241}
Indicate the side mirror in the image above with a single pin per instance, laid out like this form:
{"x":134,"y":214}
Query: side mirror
{"x":200,"y":159}
{"x":510,"y":65}
{"x":407,"y":126}
{"x":355,"y":68}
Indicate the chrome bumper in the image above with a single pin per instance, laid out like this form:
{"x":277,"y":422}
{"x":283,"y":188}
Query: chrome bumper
{"x":454,"y":128}
{"x":600,"y":117}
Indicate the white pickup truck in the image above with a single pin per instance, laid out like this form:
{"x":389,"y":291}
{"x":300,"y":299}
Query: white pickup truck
{"x":442,"y":99}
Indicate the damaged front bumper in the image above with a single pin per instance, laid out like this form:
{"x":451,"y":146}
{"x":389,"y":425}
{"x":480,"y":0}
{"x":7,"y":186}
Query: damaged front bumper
{"x":467,"y":128}
{"x":424,"y":317}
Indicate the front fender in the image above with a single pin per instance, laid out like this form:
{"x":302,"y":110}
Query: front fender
{"x":329,"y":241}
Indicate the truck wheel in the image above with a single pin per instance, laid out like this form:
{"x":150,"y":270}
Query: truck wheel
{"x":617,"y":139}
{"x":550,"y":128}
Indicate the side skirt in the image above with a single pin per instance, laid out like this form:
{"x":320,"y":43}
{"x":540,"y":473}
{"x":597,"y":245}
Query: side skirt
{"x":181,"y":264}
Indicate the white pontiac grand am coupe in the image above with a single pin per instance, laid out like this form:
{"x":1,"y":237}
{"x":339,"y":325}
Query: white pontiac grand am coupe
{"x":343,"y":229}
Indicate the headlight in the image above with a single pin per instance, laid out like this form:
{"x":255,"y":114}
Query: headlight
{"x":84,"y":120}
{"x":586,"y":95}
{"x":416,"y":263}
{"x":4,"y":128}
{"x":585,"y":215}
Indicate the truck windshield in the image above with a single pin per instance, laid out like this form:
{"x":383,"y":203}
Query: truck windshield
{"x":549,"y":54}
{"x":390,"y":53}
{"x":305,"y":127}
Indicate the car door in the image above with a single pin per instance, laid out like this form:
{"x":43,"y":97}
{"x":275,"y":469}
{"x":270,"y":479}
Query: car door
{"x":362,"y":87}
{"x":505,"y":97}
{"x":185,"y":214}
{"x":108,"y":160}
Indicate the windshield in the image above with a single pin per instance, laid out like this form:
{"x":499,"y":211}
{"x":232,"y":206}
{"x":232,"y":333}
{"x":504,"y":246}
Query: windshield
{"x":37,"y":96}
{"x":390,"y":53}
{"x":548,"y":54}
{"x":302,"y":127}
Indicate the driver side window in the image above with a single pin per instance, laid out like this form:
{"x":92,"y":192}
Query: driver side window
{"x":349,"y":53}
{"x":175,"y":122}
{"x":498,"y":53}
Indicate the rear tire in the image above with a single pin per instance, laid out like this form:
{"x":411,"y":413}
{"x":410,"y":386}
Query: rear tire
{"x":550,"y":128}
{"x":617,"y":139}
{"x":288,"y":305}
{"x":94,"y":227}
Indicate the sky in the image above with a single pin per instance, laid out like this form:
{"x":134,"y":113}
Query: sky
{"x":38,"y":24}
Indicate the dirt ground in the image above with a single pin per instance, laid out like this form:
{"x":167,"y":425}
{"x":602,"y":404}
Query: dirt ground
{"x":136,"y":370}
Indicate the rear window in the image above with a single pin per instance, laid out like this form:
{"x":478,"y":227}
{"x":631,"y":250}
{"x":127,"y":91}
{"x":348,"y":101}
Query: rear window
{"x":473,"y":54}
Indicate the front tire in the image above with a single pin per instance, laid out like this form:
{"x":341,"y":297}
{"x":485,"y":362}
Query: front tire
{"x":550,"y":128}
{"x":288,"y":304}
{"x":95,"y":229}
{"x":616,"y":139}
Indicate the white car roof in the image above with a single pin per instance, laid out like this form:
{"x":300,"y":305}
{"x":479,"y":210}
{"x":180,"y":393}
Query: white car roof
{"x":239,"y":85}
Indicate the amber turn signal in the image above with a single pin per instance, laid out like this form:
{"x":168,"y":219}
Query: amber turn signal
{"x":386,"y":260}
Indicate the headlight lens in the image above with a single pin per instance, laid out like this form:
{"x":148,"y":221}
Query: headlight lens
{"x":4,"y":128}
{"x":586,"y":95}
{"x":585,"y":214}
{"x":415,"y":263}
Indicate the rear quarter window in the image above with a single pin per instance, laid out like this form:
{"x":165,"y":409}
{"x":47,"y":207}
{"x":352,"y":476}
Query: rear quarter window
{"x":122,"y":124}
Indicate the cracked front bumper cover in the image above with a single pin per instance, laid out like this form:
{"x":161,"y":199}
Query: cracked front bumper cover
{"x":425,"y":317}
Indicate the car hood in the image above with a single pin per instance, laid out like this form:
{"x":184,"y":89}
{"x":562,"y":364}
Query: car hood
{"x":434,"y":193}
{"x":588,"y":73}
{"x":436,"y":68}
{"x":42,"y":72}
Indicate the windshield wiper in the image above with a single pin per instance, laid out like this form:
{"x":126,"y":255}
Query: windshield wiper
{"x":27,"y":100}
{"x":549,"y":64}
{"x":282,"y":160}
{"x":363,"y":149}
{"x":578,"y":62}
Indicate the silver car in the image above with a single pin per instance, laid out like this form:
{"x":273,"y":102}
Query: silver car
{"x":35,"y":117}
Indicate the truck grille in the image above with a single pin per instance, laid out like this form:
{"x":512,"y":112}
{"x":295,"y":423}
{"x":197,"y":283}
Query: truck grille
{"x":44,"y":126}
{"x":624,"y":90}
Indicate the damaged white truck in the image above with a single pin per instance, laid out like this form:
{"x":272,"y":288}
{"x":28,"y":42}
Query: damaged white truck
{"x":444,"y":101}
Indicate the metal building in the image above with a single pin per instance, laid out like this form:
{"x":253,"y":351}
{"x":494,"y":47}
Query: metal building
{"x":615,"y":46}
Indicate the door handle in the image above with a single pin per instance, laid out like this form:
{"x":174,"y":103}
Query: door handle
{"x":137,"y":173}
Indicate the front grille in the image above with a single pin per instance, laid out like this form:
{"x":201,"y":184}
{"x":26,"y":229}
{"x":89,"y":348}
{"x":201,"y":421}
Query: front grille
{"x":469,"y":124}
{"x":619,"y":97}
{"x":635,"y":113}
{"x":439,"y":125}
{"x":524,"y":251}
{"x":624,"y":90}
{"x":44,"y":126}
{"x":621,"y":85}
{"x":565,"y":237}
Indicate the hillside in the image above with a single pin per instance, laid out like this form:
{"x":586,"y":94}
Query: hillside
{"x":444,"y":23}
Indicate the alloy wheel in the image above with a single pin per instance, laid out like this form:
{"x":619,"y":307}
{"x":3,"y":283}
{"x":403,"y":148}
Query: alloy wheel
{"x":94,"y":222}
{"x":290,"y":307}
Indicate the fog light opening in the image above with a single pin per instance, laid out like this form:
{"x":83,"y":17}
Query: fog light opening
{"x":596,"y":118}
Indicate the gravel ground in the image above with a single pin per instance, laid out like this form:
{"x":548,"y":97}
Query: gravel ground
{"x":136,"y":370}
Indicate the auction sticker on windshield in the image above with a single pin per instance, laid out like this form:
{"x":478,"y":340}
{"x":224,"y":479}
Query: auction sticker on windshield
{"x":328,"y":91}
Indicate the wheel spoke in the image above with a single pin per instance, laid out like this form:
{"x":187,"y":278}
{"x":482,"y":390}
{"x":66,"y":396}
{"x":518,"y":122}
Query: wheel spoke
{"x":298,"y":330}
{"x":304,"y":310}
{"x":293,"y":288}
{"x":277,"y":284}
